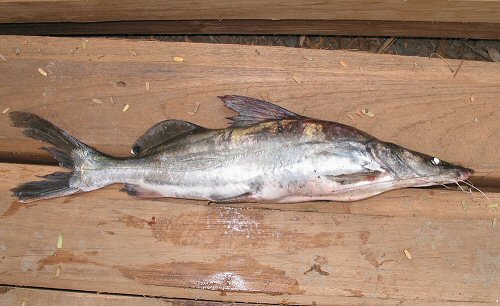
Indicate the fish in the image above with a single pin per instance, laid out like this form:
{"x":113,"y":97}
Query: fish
{"x":266,"y":154}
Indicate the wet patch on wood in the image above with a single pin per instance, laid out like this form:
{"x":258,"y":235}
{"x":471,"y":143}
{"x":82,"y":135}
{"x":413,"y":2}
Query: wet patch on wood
{"x":61,"y":257}
{"x":133,"y":221}
{"x":244,"y":275}
{"x":221,"y":224}
{"x":13,"y":208}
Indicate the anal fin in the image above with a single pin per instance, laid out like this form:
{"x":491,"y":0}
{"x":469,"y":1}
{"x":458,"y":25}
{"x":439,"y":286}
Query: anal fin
{"x":140,"y":192}
{"x":241,"y":198}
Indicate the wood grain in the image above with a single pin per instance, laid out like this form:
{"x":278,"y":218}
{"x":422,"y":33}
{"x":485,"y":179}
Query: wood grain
{"x":184,"y":249}
{"x":10,"y":295}
{"x":95,"y":10}
{"x":418,"y":102}
{"x":255,"y":26}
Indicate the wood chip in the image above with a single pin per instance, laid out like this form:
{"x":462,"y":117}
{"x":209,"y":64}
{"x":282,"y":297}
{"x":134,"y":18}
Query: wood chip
{"x":494,"y":54}
{"x":5,"y":110}
{"x":472,"y":98}
{"x":147,"y":85}
{"x":133,"y":53}
{"x":100,"y":55}
{"x":84,"y":44}
{"x":195,"y":109}
{"x":58,"y":271}
{"x":3,"y":58}
{"x":42,"y":71}
{"x":23,"y":303}
{"x":296,"y":80}
{"x":125,"y":108}
{"x":307,"y":57}
{"x":492,"y":205}
{"x":18,"y":51}
{"x":112,"y":101}
{"x":178,"y":59}
{"x":368,"y":113}
{"x":60,"y":241}
{"x":494,"y":223}
{"x":343,"y":64}
{"x":302,"y":38}
{"x":407,"y":254}
{"x":465,"y":206}
{"x":97,"y":101}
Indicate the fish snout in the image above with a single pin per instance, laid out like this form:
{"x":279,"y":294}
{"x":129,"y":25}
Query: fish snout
{"x":464,"y":173}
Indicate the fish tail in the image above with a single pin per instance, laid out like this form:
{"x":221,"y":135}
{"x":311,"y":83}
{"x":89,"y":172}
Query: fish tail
{"x":67,"y":150}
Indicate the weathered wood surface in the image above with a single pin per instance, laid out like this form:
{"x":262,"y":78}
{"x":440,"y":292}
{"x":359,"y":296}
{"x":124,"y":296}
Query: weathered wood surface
{"x":418,"y":102}
{"x":43,"y":297}
{"x":253,"y":26}
{"x":95,"y":10}
{"x":184,"y":249}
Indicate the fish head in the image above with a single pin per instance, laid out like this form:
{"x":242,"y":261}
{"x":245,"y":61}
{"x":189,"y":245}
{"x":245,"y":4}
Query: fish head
{"x":415,"y":169}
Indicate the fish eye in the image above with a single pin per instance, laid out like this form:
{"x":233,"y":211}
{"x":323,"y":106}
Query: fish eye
{"x":435,"y":161}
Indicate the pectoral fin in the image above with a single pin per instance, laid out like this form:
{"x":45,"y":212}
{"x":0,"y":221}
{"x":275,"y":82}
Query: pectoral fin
{"x":353,"y":178}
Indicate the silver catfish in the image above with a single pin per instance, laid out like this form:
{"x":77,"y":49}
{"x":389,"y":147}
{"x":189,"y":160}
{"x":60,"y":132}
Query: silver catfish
{"x":267,"y":154}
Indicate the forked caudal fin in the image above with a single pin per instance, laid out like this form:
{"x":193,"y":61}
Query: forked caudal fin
{"x":68,"y":151}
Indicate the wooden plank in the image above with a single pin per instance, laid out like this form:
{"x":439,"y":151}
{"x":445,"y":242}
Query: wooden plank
{"x":95,"y":10}
{"x":418,"y":102}
{"x":42,"y":297}
{"x":184,"y":249}
{"x":238,"y":26}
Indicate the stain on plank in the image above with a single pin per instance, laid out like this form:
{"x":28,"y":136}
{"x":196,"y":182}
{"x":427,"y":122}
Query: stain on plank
{"x":244,"y":275}
{"x":214,"y":227}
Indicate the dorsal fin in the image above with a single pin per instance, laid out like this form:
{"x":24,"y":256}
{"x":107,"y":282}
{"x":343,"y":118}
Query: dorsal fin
{"x":252,"y":111}
{"x":162,"y":132}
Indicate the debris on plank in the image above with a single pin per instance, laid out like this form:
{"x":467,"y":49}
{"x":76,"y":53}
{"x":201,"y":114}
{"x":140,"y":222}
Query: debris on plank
{"x":59,"y":241}
{"x":2,"y":57}
{"x":472,"y":99}
{"x":133,"y":53}
{"x":195,"y":109}
{"x":317,"y":268}
{"x":307,"y":57}
{"x":494,"y":54}
{"x":465,"y":206}
{"x":350,"y":117}
{"x":367,"y":113}
{"x":341,"y":62}
{"x":296,"y":80}
{"x":178,"y":59}
{"x":147,"y":85}
{"x":6,"y":110}
{"x":494,"y":223}
{"x":42,"y":71}
{"x":492,"y":205}
{"x":58,"y":271}
{"x":17,"y":50}
{"x":302,"y":38}
{"x":84,"y":44}
{"x":97,"y":101}
{"x":125,"y":108}
{"x":407,"y":253}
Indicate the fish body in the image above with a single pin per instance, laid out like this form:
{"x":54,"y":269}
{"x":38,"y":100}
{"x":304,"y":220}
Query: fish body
{"x":268,"y":154}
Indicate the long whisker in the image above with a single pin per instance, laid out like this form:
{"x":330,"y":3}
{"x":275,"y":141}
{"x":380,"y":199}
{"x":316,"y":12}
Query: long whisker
{"x":461,"y":188}
{"x":468,"y":183}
